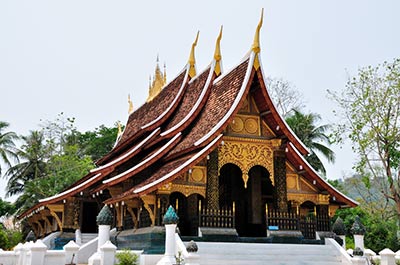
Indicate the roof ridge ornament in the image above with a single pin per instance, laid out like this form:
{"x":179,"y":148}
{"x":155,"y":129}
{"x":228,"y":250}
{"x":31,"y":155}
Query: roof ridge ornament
{"x":217,"y":53}
{"x":256,"y":43}
{"x":192,"y":60}
{"x":130,"y":109}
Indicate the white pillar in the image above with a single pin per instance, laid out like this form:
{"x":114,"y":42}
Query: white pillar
{"x":104,"y":235}
{"x":78,"y":237}
{"x":18,"y":253}
{"x":387,"y":257}
{"x":107,"y":252}
{"x":343,"y":237}
{"x":359,"y":241}
{"x":25,"y":258}
{"x":169,"y":256}
{"x":71,"y":252}
{"x":38,"y":250}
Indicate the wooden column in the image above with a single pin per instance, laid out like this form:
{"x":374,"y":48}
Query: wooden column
{"x":280,"y":180}
{"x":212,"y":190}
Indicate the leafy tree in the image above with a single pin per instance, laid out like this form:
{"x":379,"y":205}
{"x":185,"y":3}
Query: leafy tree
{"x":32,"y":163}
{"x":7,"y":145}
{"x":9,"y":238}
{"x":313,"y":136}
{"x":284,"y":95}
{"x":95,"y":143}
{"x":62,"y":171}
{"x":371,"y":119}
{"x":370,"y":198}
{"x":6,"y":208}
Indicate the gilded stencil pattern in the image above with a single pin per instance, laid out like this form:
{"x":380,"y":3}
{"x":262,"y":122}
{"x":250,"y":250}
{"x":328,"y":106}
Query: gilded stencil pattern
{"x":303,"y":197}
{"x":246,"y":155}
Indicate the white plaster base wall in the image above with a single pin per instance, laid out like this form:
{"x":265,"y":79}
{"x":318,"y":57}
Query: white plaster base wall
{"x":53,"y":257}
{"x":8,"y":258}
{"x":150,"y":259}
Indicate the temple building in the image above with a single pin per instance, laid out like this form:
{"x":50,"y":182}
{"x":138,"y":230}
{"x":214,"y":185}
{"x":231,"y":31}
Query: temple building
{"x":211,"y":144}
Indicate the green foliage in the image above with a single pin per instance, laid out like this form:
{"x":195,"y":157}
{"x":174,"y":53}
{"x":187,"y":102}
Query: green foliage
{"x":6,"y":208}
{"x":9,"y":238}
{"x":96,"y":143}
{"x":313,"y":136}
{"x":380,"y":233}
{"x":32,"y":165}
{"x":126,"y":257}
{"x":7,"y":145}
{"x":370,"y":104}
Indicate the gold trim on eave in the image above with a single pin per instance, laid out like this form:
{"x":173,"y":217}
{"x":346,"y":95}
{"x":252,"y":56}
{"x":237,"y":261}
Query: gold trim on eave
{"x":217,"y":54}
{"x":192,"y":60}
{"x":256,"y":43}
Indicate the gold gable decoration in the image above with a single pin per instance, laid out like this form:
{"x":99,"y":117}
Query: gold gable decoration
{"x":157,"y":82}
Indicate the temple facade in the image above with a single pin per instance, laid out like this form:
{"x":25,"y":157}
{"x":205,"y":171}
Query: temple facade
{"x":212,"y":145}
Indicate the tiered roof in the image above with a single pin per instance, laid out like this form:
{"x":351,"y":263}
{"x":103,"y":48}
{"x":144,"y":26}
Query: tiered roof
{"x":180,"y":126}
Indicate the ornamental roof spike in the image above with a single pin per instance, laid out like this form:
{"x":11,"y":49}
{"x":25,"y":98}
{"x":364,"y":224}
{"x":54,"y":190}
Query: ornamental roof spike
{"x":217,"y":53}
{"x":130,"y":105}
{"x":192,"y":60}
{"x":256,"y":43}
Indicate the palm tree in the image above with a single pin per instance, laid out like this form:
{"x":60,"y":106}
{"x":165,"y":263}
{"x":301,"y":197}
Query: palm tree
{"x":32,"y":164}
{"x":7,"y":145}
{"x":313,"y":136}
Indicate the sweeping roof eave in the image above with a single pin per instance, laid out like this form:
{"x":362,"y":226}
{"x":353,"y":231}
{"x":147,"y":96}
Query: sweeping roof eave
{"x":61,"y":196}
{"x":168,"y":172}
{"x":297,"y":158}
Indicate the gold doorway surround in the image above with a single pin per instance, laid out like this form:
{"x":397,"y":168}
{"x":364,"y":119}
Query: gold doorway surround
{"x":247,"y":153}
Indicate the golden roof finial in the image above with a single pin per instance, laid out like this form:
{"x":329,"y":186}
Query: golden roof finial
{"x":217,"y":54}
{"x":119,"y":130}
{"x":256,"y":43}
{"x":192,"y":60}
{"x":130,"y":110}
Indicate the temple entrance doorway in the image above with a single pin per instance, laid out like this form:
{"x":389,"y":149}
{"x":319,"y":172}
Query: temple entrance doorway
{"x":250,"y":202}
{"x":89,"y":214}
{"x":187,"y":209}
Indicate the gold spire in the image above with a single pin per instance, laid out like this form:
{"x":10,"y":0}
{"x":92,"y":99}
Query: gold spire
{"x":192,"y":60}
{"x":256,"y":43}
{"x":217,"y":54}
{"x":119,"y":130}
{"x":130,"y":110}
{"x":159,"y":80}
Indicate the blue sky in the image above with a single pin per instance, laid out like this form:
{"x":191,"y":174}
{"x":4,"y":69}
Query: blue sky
{"x":84,"y":57}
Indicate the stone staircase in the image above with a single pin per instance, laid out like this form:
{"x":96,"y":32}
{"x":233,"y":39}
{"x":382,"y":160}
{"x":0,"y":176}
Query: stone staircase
{"x":271,"y":254}
{"x":86,"y":237}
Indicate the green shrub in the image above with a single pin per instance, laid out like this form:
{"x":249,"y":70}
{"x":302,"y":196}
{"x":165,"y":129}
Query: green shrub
{"x":126,"y":257}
